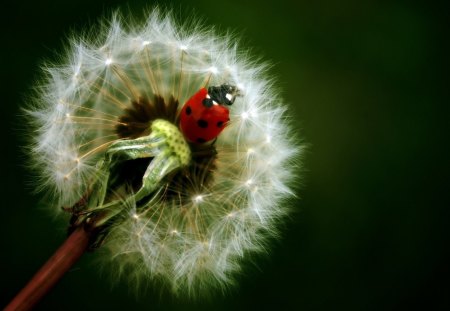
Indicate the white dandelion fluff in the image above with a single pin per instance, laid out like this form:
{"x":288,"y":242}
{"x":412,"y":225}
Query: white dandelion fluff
{"x":108,"y":143}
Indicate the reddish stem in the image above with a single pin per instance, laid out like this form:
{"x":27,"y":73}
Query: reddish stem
{"x":61,"y":261}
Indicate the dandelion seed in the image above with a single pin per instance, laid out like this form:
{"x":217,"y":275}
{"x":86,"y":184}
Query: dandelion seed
{"x":213,"y":70}
{"x":147,"y":160}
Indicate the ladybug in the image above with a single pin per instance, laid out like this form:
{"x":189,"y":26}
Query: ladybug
{"x":205,"y":114}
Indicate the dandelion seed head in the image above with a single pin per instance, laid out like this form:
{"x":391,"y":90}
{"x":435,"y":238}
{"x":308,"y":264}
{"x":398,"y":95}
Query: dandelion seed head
{"x":196,"y":228}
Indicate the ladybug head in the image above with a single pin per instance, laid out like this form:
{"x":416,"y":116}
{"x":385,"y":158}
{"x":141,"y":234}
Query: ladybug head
{"x":224,"y":94}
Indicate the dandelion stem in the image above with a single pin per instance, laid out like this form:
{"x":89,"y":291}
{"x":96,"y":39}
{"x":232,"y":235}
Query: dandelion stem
{"x":43,"y":281}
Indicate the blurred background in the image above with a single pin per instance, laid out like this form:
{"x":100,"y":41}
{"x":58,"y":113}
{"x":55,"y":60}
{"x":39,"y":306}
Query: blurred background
{"x":367,"y":83}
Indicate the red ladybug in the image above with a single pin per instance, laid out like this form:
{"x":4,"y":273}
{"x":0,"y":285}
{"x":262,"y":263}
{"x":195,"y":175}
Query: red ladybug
{"x":205,"y":115}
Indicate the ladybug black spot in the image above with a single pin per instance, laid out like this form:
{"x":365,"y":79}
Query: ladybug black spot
{"x":219,"y":124}
{"x":188,"y":110}
{"x":207,"y":102}
{"x":202,"y":123}
{"x":201,"y":140}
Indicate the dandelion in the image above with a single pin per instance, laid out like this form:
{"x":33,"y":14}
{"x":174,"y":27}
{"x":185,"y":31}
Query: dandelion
{"x":167,"y":145}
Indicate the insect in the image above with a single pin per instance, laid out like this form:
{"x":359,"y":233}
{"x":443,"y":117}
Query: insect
{"x":205,"y":114}
{"x":202,"y":119}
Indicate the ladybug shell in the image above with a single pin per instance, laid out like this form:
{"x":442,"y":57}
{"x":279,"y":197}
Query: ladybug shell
{"x":200,"y":123}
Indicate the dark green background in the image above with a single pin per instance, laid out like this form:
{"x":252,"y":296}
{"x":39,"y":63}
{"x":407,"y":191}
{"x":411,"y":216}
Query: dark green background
{"x":368,"y":84}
